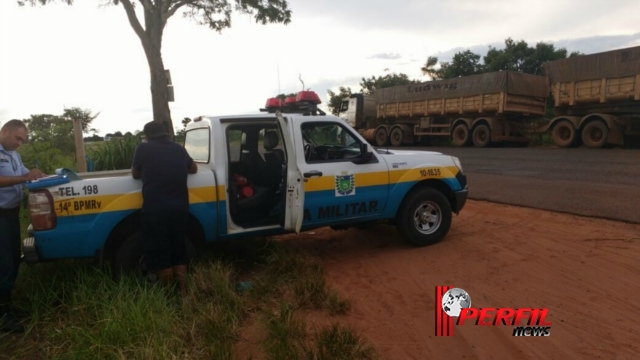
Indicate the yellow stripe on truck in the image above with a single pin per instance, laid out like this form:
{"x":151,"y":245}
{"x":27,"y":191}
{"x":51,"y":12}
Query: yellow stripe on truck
{"x":383,"y":177}
{"x":70,"y":206}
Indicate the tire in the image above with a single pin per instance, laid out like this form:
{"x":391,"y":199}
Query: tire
{"x":460,"y":135}
{"x":564,"y":134}
{"x":381,"y":136}
{"x":424,"y":217}
{"x":481,"y":136}
{"x":594,"y":134}
{"x":396,"y":136}
{"x":129,"y":258}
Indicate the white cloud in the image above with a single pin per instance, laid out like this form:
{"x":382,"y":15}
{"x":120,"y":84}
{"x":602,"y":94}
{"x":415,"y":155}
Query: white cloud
{"x":59,"y":56}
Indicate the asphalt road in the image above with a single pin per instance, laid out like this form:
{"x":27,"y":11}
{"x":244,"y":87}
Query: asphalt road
{"x":601,"y":183}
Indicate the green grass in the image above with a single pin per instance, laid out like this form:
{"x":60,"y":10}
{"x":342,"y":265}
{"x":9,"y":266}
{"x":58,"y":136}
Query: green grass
{"x":80,"y":312}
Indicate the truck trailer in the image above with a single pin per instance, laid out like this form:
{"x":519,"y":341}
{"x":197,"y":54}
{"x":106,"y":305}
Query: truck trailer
{"x":597,"y":98}
{"x":597,"y":102}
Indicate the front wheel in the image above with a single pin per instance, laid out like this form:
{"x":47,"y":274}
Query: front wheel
{"x":425,"y":217}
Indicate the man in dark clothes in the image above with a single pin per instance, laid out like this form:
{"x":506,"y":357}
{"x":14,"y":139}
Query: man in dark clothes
{"x":12,"y":174}
{"x":163,"y":166}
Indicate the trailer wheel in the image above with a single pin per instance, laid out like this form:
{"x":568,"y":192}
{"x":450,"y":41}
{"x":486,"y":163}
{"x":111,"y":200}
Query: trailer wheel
{"x":396,"y":136}
{"x":594,"y":134}
{"x":425,"y":217}
{"x":460,"y":135}
{"x":382,"y":136}
{"x":564,"y":134}
{"x":481,"y":136}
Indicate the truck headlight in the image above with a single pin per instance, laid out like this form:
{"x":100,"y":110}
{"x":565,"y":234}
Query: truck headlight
{"x":456,"y":161}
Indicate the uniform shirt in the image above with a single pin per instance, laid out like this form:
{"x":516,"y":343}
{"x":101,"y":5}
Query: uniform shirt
{"x":11,"y":165}
{"x":164,"y":165}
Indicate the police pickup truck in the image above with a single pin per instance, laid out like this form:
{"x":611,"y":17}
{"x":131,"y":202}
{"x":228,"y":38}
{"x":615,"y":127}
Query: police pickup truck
{"x":286,"y":169}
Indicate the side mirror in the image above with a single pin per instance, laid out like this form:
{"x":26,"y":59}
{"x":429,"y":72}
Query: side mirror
{"x":365,"y":152}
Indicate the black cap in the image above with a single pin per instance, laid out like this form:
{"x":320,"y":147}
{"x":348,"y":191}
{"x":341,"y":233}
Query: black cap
{"x":154,"y":130}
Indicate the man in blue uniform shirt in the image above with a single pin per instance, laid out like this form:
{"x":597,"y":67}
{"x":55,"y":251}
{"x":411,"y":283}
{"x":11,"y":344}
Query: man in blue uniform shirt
{"x":12,"y":174}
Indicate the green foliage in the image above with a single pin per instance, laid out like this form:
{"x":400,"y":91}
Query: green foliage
{"x":464,"y":63}
{"x":380,"y":82}
{"x":335,"y":100}
{"x":429,"y":68}
{"x":519,"y":56}
{"x":116,"y":154}
{"x":47,"y":157}
{"x":80,"y":312}
{"x":516,"y":56}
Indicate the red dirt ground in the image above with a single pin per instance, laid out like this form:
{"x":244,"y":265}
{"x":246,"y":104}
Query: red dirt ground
{"x":586,"y":271}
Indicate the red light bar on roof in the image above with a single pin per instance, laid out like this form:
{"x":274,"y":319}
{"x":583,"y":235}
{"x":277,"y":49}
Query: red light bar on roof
{"x":308,"y":96}
{"x":291,"y":100}
{"x":273,"y":103}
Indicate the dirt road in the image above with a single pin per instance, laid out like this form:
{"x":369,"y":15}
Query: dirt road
{"x":586,"y":271}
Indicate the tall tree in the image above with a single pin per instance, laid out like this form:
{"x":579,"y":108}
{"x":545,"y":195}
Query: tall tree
{"x":213,"y":13}
{"x":519,"y":56}
{"x":464,"y":63}
{"x":429,"y":68}
{"x":380,"y":82}
{"x":335,"y":100}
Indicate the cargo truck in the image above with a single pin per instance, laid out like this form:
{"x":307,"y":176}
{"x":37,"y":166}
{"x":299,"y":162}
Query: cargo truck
{"x":597,"y":102}
{"x":479,"y":109}
{"x":597,"y":98}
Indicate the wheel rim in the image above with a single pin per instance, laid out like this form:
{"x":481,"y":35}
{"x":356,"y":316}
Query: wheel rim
{"x":565,"y":133}
{"x":427,"y":217}
{"x":481,"y":136}
{"x":460,"y":134}
{"x":596,"y":134}
{"x":381,"y":136}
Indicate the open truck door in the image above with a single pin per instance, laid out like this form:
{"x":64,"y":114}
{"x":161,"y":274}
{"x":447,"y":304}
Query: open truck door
{"x":294,"y":188}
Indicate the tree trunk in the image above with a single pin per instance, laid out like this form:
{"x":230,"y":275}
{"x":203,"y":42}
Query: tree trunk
{"x":159,"y":91}
{"x":151,"y":39}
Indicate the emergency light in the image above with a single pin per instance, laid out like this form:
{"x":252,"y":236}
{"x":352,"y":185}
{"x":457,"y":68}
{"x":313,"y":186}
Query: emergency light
{"x":305,"y":102}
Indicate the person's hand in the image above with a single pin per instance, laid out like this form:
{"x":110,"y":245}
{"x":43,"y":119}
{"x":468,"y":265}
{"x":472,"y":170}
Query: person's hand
{"x":34,"y":174}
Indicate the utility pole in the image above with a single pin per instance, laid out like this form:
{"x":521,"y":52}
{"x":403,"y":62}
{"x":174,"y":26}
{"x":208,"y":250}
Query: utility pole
{"x":80,"y":156}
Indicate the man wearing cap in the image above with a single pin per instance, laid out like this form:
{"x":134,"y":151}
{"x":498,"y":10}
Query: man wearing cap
{"x":163,"y":166}
{"x":12,"y":174}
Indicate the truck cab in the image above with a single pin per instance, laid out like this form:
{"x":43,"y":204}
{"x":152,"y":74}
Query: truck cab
{"x":357,"y":109}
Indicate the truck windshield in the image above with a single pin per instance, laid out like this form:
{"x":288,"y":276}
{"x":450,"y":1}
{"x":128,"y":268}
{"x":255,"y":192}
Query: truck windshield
{"x":344,"y":106}
{"x":196,"y":143}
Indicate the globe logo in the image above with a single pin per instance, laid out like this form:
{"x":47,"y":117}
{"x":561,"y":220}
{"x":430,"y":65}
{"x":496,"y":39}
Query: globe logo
{"x":454,"y":300}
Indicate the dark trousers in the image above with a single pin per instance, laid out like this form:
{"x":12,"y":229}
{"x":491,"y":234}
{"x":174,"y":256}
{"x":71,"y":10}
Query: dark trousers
{"x":9,"y":251}
{"x":164,"y":236}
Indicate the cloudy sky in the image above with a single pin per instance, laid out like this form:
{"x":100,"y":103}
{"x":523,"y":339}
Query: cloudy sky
{"x":87,"y":56}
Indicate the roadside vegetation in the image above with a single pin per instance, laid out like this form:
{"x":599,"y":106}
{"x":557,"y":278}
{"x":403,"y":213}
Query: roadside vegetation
{"x":248,"y":299}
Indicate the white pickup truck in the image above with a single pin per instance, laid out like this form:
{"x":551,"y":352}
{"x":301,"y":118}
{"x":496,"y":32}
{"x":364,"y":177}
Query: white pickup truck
{"x":289,"y":169}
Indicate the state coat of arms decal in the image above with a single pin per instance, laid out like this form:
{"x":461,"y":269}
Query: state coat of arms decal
{"x":345,"y":184}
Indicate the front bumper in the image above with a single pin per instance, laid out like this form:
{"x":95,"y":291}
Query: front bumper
{"x":461,"y":199}
{"x":29,"y":251}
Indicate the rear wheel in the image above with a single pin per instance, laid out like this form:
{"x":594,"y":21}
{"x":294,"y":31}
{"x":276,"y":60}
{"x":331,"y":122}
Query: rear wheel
{"x":130,"y":256}
{"x":460,"y":135}
{"x":594,"y":134}
{"x":481,"y":136}
{"x":564,"y":134}
{"x":396,"y":136}
{"x":382,"y":136}
{"x":425,"y":217}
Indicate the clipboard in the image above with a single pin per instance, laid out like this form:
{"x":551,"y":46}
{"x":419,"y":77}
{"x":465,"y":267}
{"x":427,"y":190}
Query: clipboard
{"x":47,"y":181}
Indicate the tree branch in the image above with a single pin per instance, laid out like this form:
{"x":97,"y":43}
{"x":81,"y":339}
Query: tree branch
{"x":175,"y":8}
{"x":135,"y":24}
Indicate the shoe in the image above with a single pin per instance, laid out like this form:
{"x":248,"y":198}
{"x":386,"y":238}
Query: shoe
{"x":9,"y":323}
{"x":181,"y":274}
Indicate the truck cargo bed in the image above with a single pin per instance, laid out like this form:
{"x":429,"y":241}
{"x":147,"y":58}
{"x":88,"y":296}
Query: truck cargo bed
{"x":489,"y":93}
